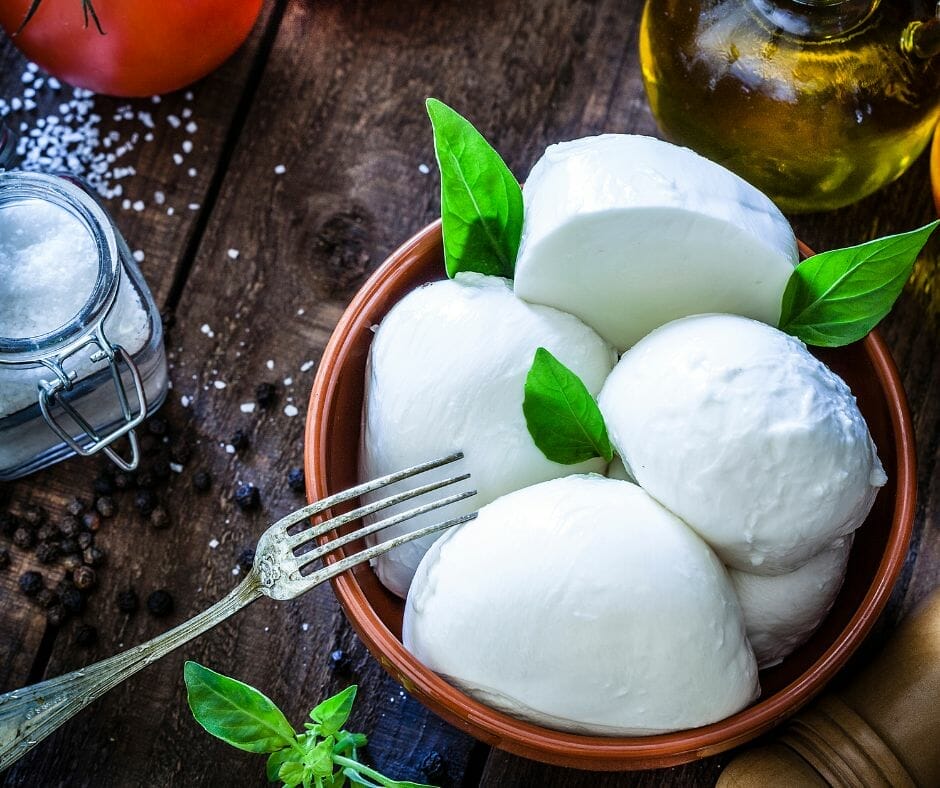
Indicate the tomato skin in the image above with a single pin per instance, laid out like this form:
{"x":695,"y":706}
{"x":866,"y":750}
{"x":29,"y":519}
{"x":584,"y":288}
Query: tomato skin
{"x":149,"y":46}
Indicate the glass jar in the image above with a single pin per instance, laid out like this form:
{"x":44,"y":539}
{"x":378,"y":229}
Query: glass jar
{"x":82,"y":361}
{"x":816,"y":102}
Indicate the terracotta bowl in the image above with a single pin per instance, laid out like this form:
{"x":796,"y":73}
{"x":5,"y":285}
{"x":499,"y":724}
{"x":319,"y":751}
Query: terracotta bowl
{"x":332,"y":440}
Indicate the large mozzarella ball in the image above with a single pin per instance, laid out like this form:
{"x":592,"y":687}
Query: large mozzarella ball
{"x":446,"y":372}
{"x":782,"y":611}
{"x":629,"y":232}
{"x":736,"y":428}
{"x":582,"y":604}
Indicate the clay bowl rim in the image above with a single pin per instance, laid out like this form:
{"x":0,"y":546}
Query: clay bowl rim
{"x":558,"y":747}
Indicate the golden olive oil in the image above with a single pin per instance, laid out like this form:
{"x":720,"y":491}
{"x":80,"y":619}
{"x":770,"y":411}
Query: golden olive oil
{"x":814,"y":102}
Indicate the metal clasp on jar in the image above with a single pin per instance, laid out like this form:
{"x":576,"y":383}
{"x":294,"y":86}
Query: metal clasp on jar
{"x":50,"y":394}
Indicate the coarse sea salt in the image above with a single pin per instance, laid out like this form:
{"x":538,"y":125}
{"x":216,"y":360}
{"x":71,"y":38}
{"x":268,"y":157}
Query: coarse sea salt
{"x":48,"y":267}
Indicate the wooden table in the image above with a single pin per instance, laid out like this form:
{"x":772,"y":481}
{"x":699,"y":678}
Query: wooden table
{"x":334,"y":91}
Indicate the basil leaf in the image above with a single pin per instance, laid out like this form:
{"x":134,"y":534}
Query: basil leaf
{"x":837,"y":297}
{"x":481,"y":201}
{"x":291,"y":774}
{"x":562,"y":416}
{"x":234,"y":712}
{"x":276,"y":760}
{"x":332,"y":713}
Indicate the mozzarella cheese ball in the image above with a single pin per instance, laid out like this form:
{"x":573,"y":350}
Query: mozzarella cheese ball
{"x":583,"y":605}
{"x":629,"y":232}
{"x":782,"y":611}
{"x":446,"y":372}
{"x":736,"y":428}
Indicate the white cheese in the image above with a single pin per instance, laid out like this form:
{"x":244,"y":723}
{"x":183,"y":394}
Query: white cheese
{"x":446,"y":372}
{"x":736,"y":428}
{"x":782,"y":611}
{"x":629,"y":232}
{"x":581,"y":604}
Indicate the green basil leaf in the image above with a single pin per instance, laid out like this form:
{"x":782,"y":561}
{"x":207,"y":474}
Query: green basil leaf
{"x":837,"y":297}
{"x":276,"y":760}
{"x":332,"y":713}
{"x":481,"y":201}
{"x":291,"y":774}
{"x":562,"y":416}
{"x":357,"y":779}
{"x":347,"y":741}
{"x":320,"y":758}
{"x":234,"y":712}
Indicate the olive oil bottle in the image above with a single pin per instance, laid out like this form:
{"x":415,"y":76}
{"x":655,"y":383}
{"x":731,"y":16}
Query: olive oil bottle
{"x":816,"y":102}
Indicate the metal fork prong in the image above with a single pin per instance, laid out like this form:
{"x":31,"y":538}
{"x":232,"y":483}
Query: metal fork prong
{"x":332,"y":570}
{"x":325,"y":503}
{"x":339,"y":521}
{"x":381,"y":525}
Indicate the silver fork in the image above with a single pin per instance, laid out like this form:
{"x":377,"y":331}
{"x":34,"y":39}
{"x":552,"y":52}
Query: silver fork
{"x":29,"y":715}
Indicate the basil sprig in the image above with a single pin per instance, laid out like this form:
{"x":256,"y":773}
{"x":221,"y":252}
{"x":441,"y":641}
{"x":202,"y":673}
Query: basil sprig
{"x":837,"y":297}
{"x":324,"y":756}
{"x":562,"y":416}
{"x":481,"y":202}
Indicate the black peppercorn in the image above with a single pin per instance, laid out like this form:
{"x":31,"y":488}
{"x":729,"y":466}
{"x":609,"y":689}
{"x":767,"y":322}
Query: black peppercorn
{"x":339,"y":662}
{"x":72,"y":600}
{"x":295,"y":479}
{"x":84,"y":577}
{"x":75,"y":507}
{"x":86,"y":635}
{"x":4,"y":558}
{"x":48,"y":552}
{"x":265,"y":395}
{"x":57,"y":615}
{"x":247,"y":496}
{"x":104,"y":485}
{"x":91,"y":521}
{"x":105,"y":506}
{"x":202,"y":481}
{"x":160,"y":603}
{"x":168,"y":319}
{"x":72,"y":561}
{"x":159,"y":518}
{"x":70,"y":526}
{"x":123,"y":481}
{"x":47,"y":533}
{"x":127,"y":601}
{"x":157,"y":426}
{"x":85,"y":539}
{"x":160,"y":468}
{"x":34,"y":516}
{"x":239,"y":440}
{"x":24,"y":538}
{"x":93,"y":556}
{"x":69,"y":546}
{"x":246,"y":559}
{"x":8,"y":524}
{"x":145,"y":480}
{"x":47,"y":598}
{"x":31,"y":583}
{"x":145,"y":501}
{"x":433,"y":766}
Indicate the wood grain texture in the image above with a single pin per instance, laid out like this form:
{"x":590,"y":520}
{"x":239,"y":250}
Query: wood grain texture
{"x":340,"y":105}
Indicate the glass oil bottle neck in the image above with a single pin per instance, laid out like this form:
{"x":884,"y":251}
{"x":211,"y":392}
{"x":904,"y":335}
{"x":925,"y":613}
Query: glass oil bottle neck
{"x":816,"y":20}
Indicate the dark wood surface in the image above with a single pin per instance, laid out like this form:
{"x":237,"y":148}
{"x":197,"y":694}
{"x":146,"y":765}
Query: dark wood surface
{"x":334,"y":91}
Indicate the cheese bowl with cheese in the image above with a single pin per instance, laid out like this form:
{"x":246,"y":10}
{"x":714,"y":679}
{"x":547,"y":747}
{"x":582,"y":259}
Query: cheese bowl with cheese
{"x":332,"y":449}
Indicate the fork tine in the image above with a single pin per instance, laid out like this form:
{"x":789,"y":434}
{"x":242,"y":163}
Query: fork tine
{"x":345,"y":539}
{"x":325,"y":503}
{"x":339,"y":521}
{"x":332,"y":570}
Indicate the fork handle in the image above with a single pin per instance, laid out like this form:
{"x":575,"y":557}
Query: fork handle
{"x":29,"y":715}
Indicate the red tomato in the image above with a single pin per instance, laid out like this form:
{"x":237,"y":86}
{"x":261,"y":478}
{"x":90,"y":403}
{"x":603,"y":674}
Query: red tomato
{"x":148,"y":46}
